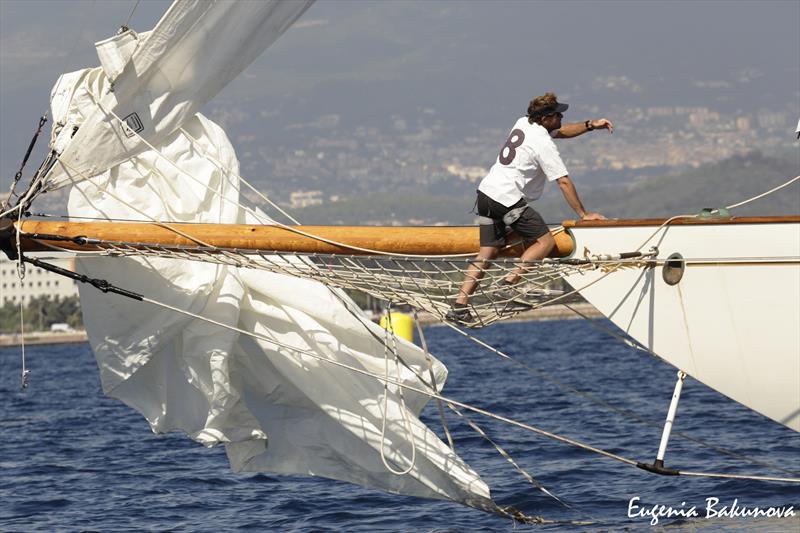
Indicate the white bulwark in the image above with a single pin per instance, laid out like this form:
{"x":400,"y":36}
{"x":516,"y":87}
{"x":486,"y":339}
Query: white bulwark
{"x":37,"y":282}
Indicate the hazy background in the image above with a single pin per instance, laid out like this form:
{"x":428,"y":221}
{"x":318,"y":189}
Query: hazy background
{"x":447,"y":75}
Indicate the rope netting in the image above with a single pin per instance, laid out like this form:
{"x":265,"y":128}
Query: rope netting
{"x":429,"y":284}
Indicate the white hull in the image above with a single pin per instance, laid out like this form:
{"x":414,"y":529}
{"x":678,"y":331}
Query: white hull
{"x":731,"y":322}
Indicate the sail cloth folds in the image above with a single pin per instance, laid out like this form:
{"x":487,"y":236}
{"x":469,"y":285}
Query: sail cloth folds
{"x":275,"y":401}
{"x":194,"y":51}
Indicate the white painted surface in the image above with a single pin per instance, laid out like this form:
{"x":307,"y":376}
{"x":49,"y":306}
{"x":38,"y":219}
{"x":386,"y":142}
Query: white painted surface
{"x":734,"y":326}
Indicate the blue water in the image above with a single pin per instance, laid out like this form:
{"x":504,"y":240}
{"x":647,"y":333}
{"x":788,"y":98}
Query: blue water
{"x":71,"y":459}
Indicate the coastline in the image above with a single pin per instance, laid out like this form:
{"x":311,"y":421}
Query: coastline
{"x":43,"y":337}
{"x":553,"y":312}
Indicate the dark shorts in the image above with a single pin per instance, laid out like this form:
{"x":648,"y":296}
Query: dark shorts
{"x":530,"y":225}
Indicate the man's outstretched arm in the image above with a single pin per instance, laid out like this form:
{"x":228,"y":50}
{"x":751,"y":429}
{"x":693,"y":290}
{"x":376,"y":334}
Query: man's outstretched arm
{"x":571,"y":196}
{"x":567,"y":131}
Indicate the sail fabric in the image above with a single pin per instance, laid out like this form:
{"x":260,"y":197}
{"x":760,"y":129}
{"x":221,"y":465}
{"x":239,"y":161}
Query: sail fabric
{"x":275,"y":409}
{"x":194,"y":51}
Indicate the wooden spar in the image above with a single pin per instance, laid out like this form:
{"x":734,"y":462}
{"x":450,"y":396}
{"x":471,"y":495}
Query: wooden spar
{"x":427,"y":240}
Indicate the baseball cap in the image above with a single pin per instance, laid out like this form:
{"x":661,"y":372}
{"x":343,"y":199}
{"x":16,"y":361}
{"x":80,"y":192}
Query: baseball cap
{"x":536,"y":110}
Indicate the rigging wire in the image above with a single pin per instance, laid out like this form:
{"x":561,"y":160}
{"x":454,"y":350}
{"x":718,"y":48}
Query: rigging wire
{"x":247,"y":208}
{"x":336,"y":243}
{"x":18,"y":176}
{"x":432,"y":385}
{"x":386,"y":379}
{"x":575,"y":390}
{"x":424,"y":345}
{"x":608,"y":406}
{"x":603,"y":403}
{"x":412,"y":462}
{"x":434,"y":394}
{"x":591,"y":398}
{"x":47,"y":240}
{"x":379,"y":253}
{"x":125,"y":26}
{"x":197,"y":144}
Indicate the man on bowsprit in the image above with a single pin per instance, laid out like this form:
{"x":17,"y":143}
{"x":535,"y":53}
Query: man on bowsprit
{"x":526,"y":161}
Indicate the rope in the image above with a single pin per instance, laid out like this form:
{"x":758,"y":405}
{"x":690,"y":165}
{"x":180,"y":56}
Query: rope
{"x":427,"y":284}
{"x":439,"y":405}
{"x":732,"y":206}
{"x":7,"y":212}
{"x":151,"y":220}
{"x":385,"y":401}
{"x":218,"y":163}
{"x":238,"y":204}
{"x":389,"y":333}
{"x":580,"y":393}
{"x":508,"y":458}
{"x":506,"y":512}
{"x":754,"y":198}
{"x":385,"y":379}
{"x":635,"y":345}
{"x":736,"y":476}
{"x":604,"y":404}
{"x":25,"y":371}
{"x":477,"y":428}
{"x":414,"y":280}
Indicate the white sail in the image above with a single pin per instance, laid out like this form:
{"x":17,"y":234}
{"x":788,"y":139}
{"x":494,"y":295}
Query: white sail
{"x":194,"y":51}
{"x":274,"y":400}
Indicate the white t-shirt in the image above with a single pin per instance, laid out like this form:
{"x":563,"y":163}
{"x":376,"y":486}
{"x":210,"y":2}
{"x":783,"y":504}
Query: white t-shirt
{"x":526,"y":159}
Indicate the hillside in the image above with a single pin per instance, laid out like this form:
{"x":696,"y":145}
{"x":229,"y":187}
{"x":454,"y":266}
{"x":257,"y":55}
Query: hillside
{"x":715,"y":185}
{"x":718,"y":185}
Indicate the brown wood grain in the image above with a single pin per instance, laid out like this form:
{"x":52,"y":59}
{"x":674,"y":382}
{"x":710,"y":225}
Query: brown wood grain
{"x":428,"y":240}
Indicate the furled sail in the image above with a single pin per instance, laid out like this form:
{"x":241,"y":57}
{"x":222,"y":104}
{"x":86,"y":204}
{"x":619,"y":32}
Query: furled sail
{"x":275,"y":400}
{"x":194,"y":51}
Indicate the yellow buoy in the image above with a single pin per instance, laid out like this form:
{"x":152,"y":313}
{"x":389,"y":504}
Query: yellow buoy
{"x":402,"y":325}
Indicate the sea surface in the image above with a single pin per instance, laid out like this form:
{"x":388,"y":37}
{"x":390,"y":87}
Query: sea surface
{"x":74,"y":460}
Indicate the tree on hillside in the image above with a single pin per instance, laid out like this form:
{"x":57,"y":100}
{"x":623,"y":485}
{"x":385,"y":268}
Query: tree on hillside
{"x":41,"y":313}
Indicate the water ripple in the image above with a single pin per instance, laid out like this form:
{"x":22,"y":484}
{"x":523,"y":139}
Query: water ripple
{"x":73,"y":460}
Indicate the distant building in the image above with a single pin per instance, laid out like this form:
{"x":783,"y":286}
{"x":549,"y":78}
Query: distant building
{"x":660,"y":111}
{"x":768,"y":120}
{"x":37,"y":282}
{"x":743,"y":123}
{"x":702,"y":116}
{"x":301,"y":199}
{"x":466,"y":173}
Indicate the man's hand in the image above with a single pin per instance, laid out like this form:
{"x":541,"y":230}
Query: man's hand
{"x":568,"y":131}
{"x":603,"y":124}
{"x":593,"y":216}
